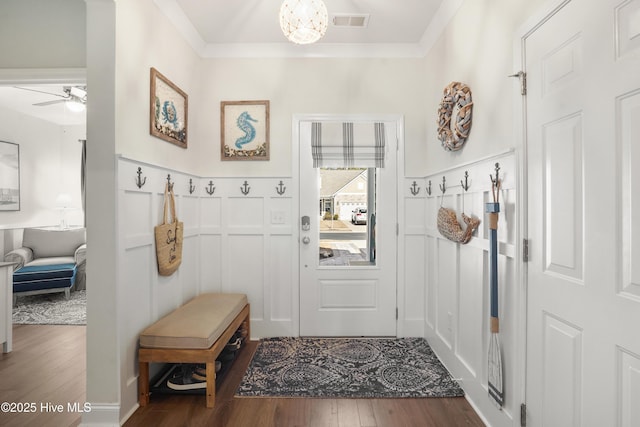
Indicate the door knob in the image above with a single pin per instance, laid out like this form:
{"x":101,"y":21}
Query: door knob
{"x":306,"y":240}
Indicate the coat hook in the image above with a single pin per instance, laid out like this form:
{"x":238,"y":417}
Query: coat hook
{"x":414,"y":188}
{"x":192,"y":187}
{"x":245,"y":188}
{"x":139,"y":181}
{"x":169,"y":183}
{"x":496,"y":184}
{"x":210,"y":188}
{"x":428,"y":189}
{"x":443,"y":186}
{"x":496,"y":181}
{"x":465,"y":184}
{"x":280,"y":189}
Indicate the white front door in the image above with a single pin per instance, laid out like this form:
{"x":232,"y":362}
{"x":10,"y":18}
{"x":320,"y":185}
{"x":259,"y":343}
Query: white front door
{"x":343,"y":291}
{"x":583,"y":148}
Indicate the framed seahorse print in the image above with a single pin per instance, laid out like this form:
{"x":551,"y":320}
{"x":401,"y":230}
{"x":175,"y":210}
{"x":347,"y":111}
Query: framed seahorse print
{"x":244,"y":130}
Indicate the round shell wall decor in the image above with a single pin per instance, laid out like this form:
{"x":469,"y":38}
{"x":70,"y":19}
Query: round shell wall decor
{"x":454,"y":116}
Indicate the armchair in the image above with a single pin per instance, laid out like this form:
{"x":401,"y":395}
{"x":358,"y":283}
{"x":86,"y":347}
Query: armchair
{"x":49,"y":261}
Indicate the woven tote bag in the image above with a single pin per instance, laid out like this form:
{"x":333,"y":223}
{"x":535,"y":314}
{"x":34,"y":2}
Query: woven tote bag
{"x":169,"y":237}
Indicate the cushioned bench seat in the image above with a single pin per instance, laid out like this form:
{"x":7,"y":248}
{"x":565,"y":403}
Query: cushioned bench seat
{"x":195,"y":332}
{"x":197,"y":324}
{"x":44,"y":278}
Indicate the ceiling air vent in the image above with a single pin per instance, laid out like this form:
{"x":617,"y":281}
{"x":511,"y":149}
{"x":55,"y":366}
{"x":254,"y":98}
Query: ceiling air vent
{"x":350,"y":20}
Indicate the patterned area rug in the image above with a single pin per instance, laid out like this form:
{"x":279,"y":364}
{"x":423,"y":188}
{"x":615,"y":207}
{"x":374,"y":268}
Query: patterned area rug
{"x":347,"y":368}
{"x":51,"y":309}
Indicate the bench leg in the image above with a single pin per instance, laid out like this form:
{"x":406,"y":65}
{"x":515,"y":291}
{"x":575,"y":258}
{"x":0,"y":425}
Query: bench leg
{"x":143,"y":383}
{"x":211,"y":384}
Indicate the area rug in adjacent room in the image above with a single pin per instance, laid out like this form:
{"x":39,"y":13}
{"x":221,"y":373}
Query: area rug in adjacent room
{"x":51,"y":309}
{"x":347,"y":368}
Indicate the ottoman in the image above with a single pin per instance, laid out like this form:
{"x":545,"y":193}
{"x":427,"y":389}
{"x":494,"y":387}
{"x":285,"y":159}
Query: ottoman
{"x":43,"y":279}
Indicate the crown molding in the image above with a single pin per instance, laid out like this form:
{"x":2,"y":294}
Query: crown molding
{"x":175,"y":14}
{"x":16,"y":76}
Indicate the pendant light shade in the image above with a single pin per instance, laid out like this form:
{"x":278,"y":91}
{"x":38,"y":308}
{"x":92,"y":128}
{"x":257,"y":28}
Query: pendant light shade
{"x":303,"y":21}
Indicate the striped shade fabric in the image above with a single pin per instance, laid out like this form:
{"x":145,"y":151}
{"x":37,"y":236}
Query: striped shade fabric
{"x":347,"y":145}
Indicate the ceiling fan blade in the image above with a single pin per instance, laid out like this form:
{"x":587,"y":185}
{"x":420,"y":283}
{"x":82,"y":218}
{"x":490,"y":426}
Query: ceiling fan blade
{"x":57,"y":101}
{"x":41,"y":91}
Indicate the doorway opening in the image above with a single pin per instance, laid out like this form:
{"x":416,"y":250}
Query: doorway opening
{"x":347,"y":216}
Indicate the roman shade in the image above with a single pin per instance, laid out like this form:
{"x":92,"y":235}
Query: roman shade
{"x":347,"y":145}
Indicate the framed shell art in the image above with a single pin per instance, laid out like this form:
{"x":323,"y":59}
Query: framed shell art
{"x":454,"y":116}
{"x":168,"y":110}
{"x":244,"y":130}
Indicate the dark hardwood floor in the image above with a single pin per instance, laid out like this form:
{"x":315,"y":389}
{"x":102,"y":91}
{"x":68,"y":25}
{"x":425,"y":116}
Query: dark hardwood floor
{"x":46,"y":368}
{"x":230,"y":411}
{"x":48,"y":365}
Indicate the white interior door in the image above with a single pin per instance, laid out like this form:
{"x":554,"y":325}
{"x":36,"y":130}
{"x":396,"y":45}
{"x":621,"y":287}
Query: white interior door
{"x":358,"y":299}
{"x":583,"y":146}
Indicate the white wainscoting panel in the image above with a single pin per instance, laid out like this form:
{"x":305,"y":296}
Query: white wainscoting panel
{"x":414,"y":267}
{"x":244,"y":257}
{"x":137,"y":261}
{"x":210,"y":262}
{"x":245,"y":215}
{"x":455,"y":308}
{"x":445,"y":290}
{"x":430,"y":292}
{"x":472,"y":317}
{"x":281,"y":285}
{"x":238,"y":237}
{"x":211,"y":214}
{"x":412,"y":259}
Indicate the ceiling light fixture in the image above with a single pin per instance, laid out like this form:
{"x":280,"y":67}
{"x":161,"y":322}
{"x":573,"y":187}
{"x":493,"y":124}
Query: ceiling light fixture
{"x":303,"y":21}
{"x":77,"y":98}
{"x":74,"y":105}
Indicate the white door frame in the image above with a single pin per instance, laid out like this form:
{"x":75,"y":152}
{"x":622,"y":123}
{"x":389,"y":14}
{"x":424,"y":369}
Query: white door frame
{"x":536,"y":20}
{"x":295,"y":168}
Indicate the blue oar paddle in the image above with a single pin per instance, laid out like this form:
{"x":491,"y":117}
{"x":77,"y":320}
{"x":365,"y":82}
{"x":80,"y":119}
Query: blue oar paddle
{"x":495,"y":358}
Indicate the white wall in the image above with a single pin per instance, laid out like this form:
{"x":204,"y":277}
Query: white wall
{"x":146,"y":39}
{"x":476,"y":48}
{"x":307,"y":86}
{"x":49,"y":165}
{"x":42,"y":34}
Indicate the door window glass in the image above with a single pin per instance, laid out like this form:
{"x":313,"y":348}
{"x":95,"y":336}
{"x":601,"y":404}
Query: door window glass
{"x":347,"y":216}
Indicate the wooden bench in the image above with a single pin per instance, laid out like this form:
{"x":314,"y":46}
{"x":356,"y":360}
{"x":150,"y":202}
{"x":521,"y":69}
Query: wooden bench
{"x":195,"y":332}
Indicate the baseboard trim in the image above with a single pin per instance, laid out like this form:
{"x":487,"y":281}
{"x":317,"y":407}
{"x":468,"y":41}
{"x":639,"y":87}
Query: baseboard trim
{"x":102,"y":415}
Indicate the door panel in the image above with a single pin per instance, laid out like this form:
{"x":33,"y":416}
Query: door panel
{"x":357,"y":299}
{"x":583,"y":75}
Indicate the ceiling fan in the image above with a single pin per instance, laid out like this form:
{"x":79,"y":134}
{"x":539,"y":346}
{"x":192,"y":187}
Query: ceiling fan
{"x":75,"y":97}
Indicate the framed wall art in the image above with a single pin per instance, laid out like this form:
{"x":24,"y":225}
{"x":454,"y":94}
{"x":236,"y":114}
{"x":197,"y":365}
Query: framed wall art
{"x":168,"y":110}
{"x":9,"y":176}
{"x":244,"y":130}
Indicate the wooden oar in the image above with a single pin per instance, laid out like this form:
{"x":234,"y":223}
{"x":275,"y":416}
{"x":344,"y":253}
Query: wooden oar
{"x":495,"y":358}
